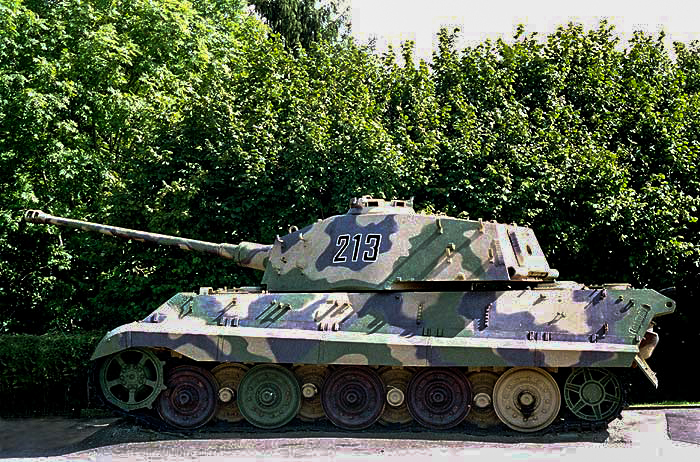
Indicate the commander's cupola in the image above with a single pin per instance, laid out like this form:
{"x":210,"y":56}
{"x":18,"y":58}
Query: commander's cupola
{"x":367,"y":204}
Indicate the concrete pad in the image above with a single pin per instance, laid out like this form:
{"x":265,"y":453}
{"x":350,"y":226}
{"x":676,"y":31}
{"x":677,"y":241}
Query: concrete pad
{"x":46,"y":435}
{"x":684,"y":426}
{"x":642,"y":434}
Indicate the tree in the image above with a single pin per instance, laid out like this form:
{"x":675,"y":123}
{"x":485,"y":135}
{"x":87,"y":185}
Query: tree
{"x":83,"y":88}
{"x":191,"y":119}
{"x":303,"y":22}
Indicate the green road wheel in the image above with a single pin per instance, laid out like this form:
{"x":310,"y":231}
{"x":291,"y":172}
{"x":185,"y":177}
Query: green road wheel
{"x":269,"y":396}
{"x":131,"y":379}
{"x":593,"y":394}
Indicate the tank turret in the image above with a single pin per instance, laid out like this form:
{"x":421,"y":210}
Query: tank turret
{"x":245,"y":254}
{"x":376,"y":245}
{"x":385,"y":245}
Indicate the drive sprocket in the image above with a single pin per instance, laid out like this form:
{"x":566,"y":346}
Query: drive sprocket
{"x":131,"y":379}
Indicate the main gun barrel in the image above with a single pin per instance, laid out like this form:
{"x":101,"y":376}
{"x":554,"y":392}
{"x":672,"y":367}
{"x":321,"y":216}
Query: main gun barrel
{"x":247,"y":254}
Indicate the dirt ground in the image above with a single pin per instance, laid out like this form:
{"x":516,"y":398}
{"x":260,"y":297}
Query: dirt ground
{"x":643,"y":434}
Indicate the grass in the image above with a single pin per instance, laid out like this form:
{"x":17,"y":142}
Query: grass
{"x":666,"y":403}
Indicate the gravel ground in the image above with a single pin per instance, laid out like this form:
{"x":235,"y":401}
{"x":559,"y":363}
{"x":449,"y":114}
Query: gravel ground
{"x":641,"y":434}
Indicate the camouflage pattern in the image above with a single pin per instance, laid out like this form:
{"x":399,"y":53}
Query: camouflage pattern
{"x":554,"y":326}
{"x":377,"y":245}
{"x":245,"y":254}
{"x":384,"y":286}
{"x":387,"y":248}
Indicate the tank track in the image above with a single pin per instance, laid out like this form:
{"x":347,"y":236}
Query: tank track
{"x":566,"y":422}
{"x":150,"y":421}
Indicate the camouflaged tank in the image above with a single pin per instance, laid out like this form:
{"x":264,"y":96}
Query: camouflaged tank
{"x":383,"y":315}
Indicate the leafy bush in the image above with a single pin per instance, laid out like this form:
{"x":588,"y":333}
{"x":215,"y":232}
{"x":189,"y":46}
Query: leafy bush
{"x":45,"y":374}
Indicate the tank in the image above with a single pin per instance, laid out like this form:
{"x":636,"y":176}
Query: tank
{"x":382,"y":315}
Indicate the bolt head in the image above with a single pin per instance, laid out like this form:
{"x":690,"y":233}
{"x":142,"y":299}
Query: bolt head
{"x":394,"y":397}
{"x":226,"y":395}
{"x":482,"y":400}
{"x":309,"y":390}
{"x":526,"y":399}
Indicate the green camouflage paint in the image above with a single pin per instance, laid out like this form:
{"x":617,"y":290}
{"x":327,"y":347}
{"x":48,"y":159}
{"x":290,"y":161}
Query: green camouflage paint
{"x":384,"y":286}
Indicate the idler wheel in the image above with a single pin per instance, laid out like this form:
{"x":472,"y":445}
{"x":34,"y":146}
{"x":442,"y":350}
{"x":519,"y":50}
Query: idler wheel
{"x":190,"y":399}
{"x":269,"y":396}
{"x":593,"y":394}
{"x":482,"y":413}
{"x":311,"y":378}
{"x":353,"y":397}
{"x":526,"y":399}
{"x":439,"y":398}
{"x":229,"y":376}
{"x":396,"y":386}
{"x":131,"y":379}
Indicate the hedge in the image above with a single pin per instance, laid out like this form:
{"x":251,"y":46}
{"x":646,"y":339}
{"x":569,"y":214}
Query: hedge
{"x":45,"y":374}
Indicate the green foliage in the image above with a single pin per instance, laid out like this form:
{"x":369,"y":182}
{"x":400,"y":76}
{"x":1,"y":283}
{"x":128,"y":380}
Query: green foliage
{"x":586,"y":142}
{"x":83,"y":86}
{"x":189,"y":118}
{"x":303,"y":22}
{"x":45,"y":374}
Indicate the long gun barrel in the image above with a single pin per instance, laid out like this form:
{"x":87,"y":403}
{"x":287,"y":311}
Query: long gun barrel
{"x":247,"y":254}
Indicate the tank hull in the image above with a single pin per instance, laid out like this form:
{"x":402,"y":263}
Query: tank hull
{"x":390,"y":356}
{"x":294,"y":346}
{"x":551,"y":327}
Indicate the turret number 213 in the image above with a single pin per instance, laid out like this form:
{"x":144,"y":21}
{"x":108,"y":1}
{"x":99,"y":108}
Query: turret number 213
{"x":367,"y":250}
